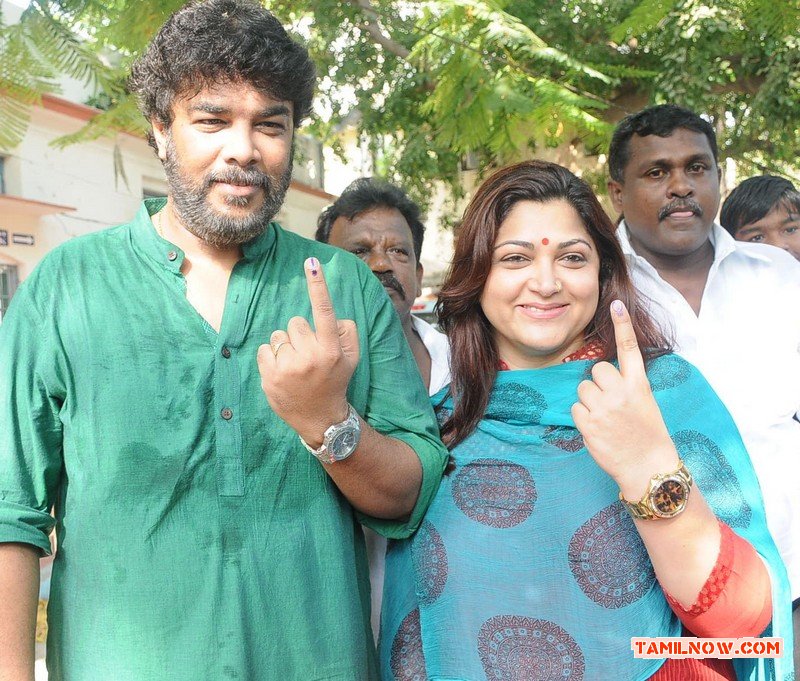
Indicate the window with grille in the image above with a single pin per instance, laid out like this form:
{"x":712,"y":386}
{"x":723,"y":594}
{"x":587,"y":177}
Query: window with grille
{"x":8,"y":285}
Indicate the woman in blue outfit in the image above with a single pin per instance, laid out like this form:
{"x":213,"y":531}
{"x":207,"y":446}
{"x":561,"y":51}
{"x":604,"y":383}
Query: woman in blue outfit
{"x":600,"y":490}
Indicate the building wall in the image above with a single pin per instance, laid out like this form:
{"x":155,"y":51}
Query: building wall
{"x":78,"y":181}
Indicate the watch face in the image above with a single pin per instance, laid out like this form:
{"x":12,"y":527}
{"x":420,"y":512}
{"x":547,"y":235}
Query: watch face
{"x":343,"y":443}
{"x":669,"y":497}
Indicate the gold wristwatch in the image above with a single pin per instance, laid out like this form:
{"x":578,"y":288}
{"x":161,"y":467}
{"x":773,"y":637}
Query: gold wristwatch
{"x":665,"y":497}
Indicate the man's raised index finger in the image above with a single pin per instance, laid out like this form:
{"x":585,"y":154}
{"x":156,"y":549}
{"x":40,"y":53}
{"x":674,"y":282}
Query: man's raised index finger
{"x":321,"y":306}
{"x":629,"y":355}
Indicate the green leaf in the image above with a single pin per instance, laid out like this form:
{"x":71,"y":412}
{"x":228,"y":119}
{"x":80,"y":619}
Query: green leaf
{"x":643,"y":19}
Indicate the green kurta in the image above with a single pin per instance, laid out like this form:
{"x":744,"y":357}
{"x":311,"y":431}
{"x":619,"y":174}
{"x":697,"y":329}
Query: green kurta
{"x":197,"y":538}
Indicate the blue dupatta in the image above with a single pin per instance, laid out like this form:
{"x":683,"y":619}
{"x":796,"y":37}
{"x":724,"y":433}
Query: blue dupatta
{"x":527,"y":566}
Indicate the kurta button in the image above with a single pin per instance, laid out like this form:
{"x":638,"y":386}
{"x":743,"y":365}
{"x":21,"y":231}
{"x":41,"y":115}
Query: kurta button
{"x":172,"y":255}
{"x":226,"y":353}
{"x":227,"y":414}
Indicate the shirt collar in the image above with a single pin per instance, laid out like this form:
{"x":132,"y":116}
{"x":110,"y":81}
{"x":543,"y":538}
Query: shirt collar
{"x":423,"y":328}
{"x":724,"y":246}
{"x":261,"y":245}
{"x":167,"y":254}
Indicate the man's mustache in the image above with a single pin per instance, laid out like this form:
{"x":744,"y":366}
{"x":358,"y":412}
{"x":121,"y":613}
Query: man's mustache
{"x":389,"y":281}
{"x":680,"y":206}
{"x":240,"y":176}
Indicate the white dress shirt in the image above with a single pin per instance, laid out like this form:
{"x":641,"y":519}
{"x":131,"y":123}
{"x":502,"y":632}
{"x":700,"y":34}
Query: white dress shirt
{"x":439,"y":350}
{"x":746,"y":341}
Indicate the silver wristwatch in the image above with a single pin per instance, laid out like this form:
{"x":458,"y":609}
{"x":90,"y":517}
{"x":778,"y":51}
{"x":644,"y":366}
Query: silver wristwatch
{"x":340,"y":440}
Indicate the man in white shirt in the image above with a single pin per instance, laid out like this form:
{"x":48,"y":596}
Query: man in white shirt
{"x":733,"y":308}
{"x":380,"y":224}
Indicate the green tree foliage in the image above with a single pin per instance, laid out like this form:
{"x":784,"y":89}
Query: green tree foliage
{"x":47,"y":43}
{"x":437,"y":84}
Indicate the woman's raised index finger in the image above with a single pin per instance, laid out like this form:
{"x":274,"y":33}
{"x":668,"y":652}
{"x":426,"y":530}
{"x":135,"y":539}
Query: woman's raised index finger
{"x":325,"y":326}
{"x":629,"y":355}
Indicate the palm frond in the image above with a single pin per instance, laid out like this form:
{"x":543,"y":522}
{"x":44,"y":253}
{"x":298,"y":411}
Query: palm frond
{"x":24,"y":78}
{"x":643,"y":19}
{"x":60,"y":47}
{"x":124,"y":116}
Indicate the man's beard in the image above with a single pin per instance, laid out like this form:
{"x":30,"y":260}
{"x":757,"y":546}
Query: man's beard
{"x":219,"y":230}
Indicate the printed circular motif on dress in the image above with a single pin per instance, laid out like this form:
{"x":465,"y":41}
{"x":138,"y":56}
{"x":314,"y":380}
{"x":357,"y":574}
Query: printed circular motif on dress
{"x":516,"y":402}
{"x":430,"y":563}
{"x":667,"y":372}
{"x":407,"y":661}
{"x":517,"y":648}
{"x":714,"y":476}
{"x":442,"y":414}
{"x":495,"y":492}
{"x":564,"y":437}
{"x":609,"y":560}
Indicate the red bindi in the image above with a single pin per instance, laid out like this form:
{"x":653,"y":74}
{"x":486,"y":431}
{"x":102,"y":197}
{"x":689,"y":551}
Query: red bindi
{"x":545,"y":241}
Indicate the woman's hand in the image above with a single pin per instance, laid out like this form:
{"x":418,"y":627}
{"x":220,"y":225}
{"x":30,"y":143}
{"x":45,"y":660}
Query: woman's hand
{"x":619,"y":418}
{"x":625,"y":433}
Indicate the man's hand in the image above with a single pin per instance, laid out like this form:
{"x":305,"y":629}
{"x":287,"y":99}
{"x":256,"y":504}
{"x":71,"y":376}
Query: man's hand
{"x":619,"y":418}
{"x":305,"y":372}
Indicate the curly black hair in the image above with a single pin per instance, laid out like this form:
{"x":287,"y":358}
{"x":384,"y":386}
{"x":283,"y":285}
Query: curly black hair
{"x":365,"y":194}
{"x":221,"y":41}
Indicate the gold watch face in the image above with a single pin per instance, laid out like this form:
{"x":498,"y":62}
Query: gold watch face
{"x":669,"y":497}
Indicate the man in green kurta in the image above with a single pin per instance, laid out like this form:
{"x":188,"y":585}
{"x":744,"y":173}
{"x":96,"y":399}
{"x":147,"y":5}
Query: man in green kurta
{"x":162,"y":383}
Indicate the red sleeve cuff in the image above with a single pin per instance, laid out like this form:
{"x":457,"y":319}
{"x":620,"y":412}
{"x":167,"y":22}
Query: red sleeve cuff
{"x":736,"y":599}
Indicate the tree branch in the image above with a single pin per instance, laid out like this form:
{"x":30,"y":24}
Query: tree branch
{"x":396,"y":48}
{"x":371,"y":26}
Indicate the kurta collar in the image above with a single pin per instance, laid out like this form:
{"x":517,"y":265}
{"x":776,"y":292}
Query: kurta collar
{"x":168,"y":255}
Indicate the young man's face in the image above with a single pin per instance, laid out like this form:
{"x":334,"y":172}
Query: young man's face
{"x":780,"y":227}
{"x":382,"y":238}
{"x":228,"y":159}
{"x":670,"y":193}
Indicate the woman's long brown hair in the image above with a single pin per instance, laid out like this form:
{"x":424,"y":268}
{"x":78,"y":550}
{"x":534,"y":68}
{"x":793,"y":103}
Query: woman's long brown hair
{"x":474,"y":356}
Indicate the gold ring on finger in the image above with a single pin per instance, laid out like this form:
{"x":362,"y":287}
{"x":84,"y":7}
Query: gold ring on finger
{"x":278,"y":347}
